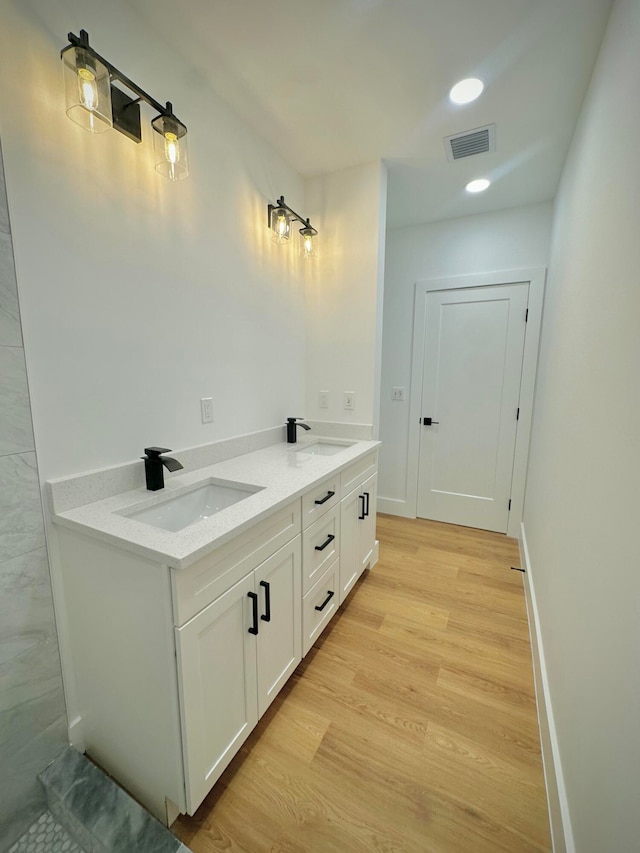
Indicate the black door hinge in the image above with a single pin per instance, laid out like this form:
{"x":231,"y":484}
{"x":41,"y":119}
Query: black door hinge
{"x":509,"y":504}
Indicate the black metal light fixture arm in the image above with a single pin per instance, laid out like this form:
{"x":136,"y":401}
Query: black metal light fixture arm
{"x":281,"y":204}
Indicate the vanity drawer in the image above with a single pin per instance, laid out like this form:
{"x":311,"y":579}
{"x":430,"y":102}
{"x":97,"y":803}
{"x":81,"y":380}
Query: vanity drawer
{"x":352,"y":476}
{"x":320,"y":499}
{"x":200,"y":584}
{"x":319,"y":605}
{"x":320,"y":547}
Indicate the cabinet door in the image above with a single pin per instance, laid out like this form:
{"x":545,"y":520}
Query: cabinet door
{"x":351,"y":509}
{"x":217,"y":686}
{"x":278,"y":585}
{"x":367,"y":525}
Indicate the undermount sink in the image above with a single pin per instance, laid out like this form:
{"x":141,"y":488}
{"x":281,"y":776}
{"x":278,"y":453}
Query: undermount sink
{"x":189,"y":508}
{"x":322,"y":448}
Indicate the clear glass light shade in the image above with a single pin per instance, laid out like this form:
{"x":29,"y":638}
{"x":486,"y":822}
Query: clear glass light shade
{"x":88,"y":90}
{"x":280,"y":225}
{"x":308,"y":243}
{"x":170,"y":147}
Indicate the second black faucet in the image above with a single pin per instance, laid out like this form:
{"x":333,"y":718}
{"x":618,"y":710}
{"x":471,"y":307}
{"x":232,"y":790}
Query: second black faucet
{"x":292,"y":432}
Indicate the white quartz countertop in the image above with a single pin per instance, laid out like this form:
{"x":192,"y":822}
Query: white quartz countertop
{"x":280,"y":471}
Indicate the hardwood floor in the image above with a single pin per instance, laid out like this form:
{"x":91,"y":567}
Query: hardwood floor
{"x":410,"y":726}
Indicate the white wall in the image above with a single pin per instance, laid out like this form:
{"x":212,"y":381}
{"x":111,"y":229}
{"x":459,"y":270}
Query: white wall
{"x":139,"y":296}
{"x":582,"y":502}
{"x":509,"y":239}
{"x":344,"y":292}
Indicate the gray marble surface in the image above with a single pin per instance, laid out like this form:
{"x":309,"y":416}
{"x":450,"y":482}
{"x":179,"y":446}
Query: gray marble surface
{"x":26,"y":746}
{"x":103,"y":817}
{"x":4,"y":212}
{"x":10,"y":333}
{"x":21,"y":524}
{"x":33,"y":725}
{"x":16,"y":434}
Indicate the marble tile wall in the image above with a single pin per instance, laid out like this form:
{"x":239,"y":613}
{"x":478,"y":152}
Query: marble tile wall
{"x":33,"y":726}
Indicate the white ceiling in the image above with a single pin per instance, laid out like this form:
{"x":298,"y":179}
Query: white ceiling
{"x":345,"y":82}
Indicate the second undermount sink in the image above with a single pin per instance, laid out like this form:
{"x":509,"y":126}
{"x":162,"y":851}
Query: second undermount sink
{"x":323,"y":448}
{"x":203,"y":501}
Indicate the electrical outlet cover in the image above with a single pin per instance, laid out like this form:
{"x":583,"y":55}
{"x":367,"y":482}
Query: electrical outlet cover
{"x":349,"y":400}
{"x":206,"y":410}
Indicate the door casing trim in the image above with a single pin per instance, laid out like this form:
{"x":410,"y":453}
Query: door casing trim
{"x":536,"y":278}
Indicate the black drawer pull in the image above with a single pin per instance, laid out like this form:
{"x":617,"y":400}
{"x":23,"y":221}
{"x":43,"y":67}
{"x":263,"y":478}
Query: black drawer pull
{"x":254,"y":603}
{"x":363,"y":516}
{"x":326,"y":601}
{"x":366,"y":495}
{"x":325,"y":498}
{"x":330,"y":539}
{"x":266,"y":616}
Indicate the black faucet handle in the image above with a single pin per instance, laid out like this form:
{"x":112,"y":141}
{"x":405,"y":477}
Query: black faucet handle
{"x":293,"y":420}
{"x":154,"y":452}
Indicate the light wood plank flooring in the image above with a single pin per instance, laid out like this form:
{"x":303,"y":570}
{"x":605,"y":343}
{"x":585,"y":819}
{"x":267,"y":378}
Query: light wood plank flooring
{"x":410,"y":726}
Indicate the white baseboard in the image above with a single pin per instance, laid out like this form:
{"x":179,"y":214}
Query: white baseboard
{"x":559,"y":819}
{"x":393,"y":506}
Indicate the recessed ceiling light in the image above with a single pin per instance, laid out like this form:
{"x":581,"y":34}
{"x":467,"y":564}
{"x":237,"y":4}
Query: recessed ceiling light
{"x":477,"y":186}
{"x":466,"y":91}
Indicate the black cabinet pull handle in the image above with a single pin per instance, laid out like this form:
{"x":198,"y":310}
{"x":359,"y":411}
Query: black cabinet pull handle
{"x":325,"y":498}
{"x":362,"y":517}
{"x":330,"y":539}
{"x":366,"y":495}
{"x":254,"y":602}
{"x":326,"y":601}
{"x":266,"y":616}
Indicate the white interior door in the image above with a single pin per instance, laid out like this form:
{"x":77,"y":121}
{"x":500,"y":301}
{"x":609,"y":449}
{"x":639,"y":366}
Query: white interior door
{"x":474,"y":343}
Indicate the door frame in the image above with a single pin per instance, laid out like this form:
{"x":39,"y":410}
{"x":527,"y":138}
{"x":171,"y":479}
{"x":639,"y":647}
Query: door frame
{"x":536,"y":277}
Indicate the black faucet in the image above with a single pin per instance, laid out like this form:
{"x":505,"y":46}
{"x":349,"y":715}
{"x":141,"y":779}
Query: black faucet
{"x":292,"y":433}
{"x":153,"y":463}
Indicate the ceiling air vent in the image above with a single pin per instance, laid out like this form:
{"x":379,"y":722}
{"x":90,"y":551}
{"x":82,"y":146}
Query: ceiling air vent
{"x":471,"y":142}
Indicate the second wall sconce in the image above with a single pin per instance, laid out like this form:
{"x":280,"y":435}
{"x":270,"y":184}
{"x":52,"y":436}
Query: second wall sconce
{"x":97,"y":105}
{"x":279,"y":218}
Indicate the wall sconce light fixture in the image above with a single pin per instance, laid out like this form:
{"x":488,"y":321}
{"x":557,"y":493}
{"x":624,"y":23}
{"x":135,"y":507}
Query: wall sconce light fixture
{"x":96,"y":104}
{"x":279,"y":218}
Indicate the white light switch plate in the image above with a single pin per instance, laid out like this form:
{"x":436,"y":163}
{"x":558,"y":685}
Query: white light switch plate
{"x":323,"y":399}
{"x":398,"y":393}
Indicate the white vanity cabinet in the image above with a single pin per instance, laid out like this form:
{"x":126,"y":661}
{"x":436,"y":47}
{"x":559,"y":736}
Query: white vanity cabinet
{"x":357,"y":522}
{"x":167,"y":669}
{"x":233,"y":658}
{"x":168,"y":679}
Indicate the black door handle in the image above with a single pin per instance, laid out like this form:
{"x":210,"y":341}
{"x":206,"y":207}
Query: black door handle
{"x":266,"y":616}
{"x":325,"y":499}
{"x":254,"y":603}
{"x":366,"y":510}
{"x":330,"y":539}
{"x":326,"y":601}
{"x":362,"y":517}
{"x":429,"y":421}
